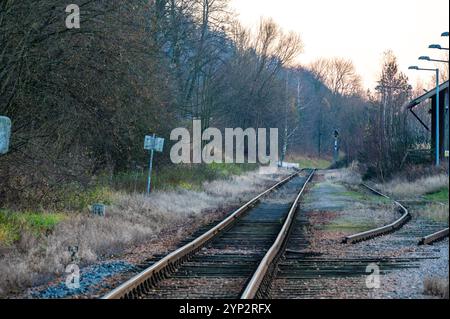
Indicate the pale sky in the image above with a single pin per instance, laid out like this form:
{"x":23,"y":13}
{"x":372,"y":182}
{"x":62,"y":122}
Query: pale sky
{"x":358,"y":29}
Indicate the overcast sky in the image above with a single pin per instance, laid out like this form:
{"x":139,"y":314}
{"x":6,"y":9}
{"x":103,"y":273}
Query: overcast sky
{"x":358,"y":29}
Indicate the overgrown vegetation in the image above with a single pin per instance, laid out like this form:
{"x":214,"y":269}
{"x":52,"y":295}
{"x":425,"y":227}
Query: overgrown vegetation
{"x":35,"y":246}
{"x":189,"y":177}
{"x":13,"y":225}
{"x":431,"y":186}
{"x":309,"y":161}
{"x":350,"y":175}
{"x":110,"y":191}
{"x":439,"y":196}
{"x":428,"y":188}
{"x":436,"y":212}
{"x":437,"y":287}
{"x":82,"y":100}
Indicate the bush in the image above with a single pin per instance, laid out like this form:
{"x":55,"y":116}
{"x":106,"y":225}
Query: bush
{"x":166,"y":217}
{"x":14,"y":224}
{"x":436,"y":287}
{"x":190,"y":177}
{"x":401,"y":187}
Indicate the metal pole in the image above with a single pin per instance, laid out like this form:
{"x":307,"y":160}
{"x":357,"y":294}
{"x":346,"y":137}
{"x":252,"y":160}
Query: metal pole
{"x":336,"y":151}
{"x":150,"y":168}
{"x":438,"y":144}
{"x":283,"y":155}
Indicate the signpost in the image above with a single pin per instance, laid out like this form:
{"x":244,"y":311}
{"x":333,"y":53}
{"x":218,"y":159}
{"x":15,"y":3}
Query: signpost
{"x":5,"y":134}
{"x":152,"y":144}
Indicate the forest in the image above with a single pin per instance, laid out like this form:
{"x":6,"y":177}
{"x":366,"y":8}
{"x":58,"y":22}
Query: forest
{"x":82,"y":100}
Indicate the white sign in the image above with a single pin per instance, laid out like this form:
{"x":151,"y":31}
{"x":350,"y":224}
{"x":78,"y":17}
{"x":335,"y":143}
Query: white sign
{"x":5,"y":134}
{"x":154,"y":144}
{"x":447,"y":153}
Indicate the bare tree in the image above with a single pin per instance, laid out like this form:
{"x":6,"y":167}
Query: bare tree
{"x":389,"y":134}
{"x":339,"y":75}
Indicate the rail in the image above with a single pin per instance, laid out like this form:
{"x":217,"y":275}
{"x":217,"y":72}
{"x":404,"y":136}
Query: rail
{"x":406,"y":216}
{"x":149,"y":277}
{"x":438,"y":236}
{"x":260,"y":274}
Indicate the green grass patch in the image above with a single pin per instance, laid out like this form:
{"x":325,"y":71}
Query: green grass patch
{"x":13,"y":224}
{"x":9,"y":233}
{"x":364,"y":197}
{"x":356,"y":195}
{"x":77,"y":199}
{"x":440,"y":196}
{"x":349,"y":227}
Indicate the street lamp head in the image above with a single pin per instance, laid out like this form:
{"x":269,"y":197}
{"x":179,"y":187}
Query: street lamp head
{"x":425,"y":58}
{"x":414,"y":67}
{"x":444,"y":34}
{"x":435,"y":46}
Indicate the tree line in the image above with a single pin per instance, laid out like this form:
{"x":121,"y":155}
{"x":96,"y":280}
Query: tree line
{"x":81,"y":100}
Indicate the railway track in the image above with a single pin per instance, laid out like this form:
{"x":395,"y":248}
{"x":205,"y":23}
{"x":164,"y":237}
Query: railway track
{"x":396,"y":225}
{"x":223,"y":261}
{"x":380,"y":231}
{"x":297,"y":272}
{"x":435,"y":237}
{"x":263,"y":251}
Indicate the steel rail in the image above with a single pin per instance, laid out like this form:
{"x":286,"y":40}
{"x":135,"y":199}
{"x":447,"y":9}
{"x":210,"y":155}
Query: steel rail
{"x":155,"y":273}
{"x":406,"y":216}
{"x":262,"y":271}
{"x":430,"y":239}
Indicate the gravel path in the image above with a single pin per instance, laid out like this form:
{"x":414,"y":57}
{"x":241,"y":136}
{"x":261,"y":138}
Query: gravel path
{"x":408,"y":284}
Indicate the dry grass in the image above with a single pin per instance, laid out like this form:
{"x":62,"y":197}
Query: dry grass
{"x":306,"y":161}
{"x":437,"y":287}
{"x":349,"y":175}
{"x":132,"y":220}
{"x":435,"y":212}
{"x":361,"y":217}
{"x":401,"y":188}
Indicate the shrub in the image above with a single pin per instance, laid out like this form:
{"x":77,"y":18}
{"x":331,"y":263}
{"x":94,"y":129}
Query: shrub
{"x":132,"y":219}
{"x":401,"y":187}
{"x":436,"y":287}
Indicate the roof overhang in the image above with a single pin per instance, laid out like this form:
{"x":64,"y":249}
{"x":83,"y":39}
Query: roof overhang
{"x":426,"y":96}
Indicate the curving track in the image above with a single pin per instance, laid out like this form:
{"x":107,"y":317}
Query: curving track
{"x":220,"y":263}
{"x":301,"y":274}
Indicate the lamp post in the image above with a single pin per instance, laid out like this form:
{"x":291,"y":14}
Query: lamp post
{"x":437,"y":146}
{"x":437,"y":46}
{"x":445,"y":34}
{"x":427,"y":58}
